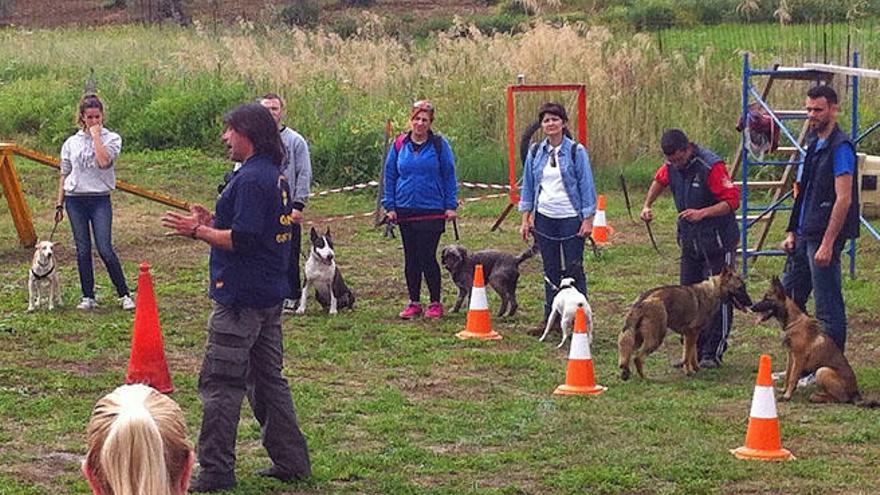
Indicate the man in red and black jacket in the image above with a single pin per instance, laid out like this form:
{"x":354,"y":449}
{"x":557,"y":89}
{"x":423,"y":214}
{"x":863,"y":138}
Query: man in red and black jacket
{"x":706,"y":201}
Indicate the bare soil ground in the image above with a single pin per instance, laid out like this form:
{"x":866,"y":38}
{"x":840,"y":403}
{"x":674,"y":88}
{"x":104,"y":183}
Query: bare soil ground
{"x":54,"y":13}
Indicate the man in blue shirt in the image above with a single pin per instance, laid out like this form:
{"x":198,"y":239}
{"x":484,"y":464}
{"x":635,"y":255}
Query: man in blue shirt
{"x":824,"y":216}
{"x":250,"y":242}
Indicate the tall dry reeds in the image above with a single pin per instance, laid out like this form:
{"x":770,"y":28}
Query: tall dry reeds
{"x":342,"y":90}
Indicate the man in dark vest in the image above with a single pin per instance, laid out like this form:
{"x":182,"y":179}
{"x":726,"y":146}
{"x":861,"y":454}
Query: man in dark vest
{"x":824,"y":216}
{"x":706,"y":200}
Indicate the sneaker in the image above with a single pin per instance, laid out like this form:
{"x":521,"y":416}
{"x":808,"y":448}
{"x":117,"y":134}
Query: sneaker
{"x":807,"y":381}
{"x":778,"y":375}
{"x":435,"y":310}
{"x":411,"y":310}
{"x":87,"y":303}
{"x":289,"y":306}
{"x":127,"y":302}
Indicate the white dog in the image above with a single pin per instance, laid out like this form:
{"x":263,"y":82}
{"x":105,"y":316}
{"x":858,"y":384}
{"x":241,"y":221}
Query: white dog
{"x":565,"y":304}
{"x":322,"y":273}
{"x":43,"y":273}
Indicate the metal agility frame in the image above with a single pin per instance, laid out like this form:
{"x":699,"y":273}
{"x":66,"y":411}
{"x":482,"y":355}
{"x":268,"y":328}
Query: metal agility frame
{"x":809,"y":72}
{"x":581,"y":89}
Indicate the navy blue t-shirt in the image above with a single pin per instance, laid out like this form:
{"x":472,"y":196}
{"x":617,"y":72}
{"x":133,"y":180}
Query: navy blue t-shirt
{"x":256,"y":203}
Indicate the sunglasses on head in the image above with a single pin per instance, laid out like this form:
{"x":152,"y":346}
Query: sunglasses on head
{"x":424,"y":105}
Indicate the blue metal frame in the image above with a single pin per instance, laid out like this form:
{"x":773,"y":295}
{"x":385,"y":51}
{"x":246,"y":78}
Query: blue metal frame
{"x":749,"y":91}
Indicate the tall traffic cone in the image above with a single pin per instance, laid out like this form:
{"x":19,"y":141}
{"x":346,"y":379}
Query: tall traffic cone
{"x":580,"y":378}
{"x":147,"y":363}
{"x":763,"y":442}
{"x":479,"y":322}
{"x":600,"y":223}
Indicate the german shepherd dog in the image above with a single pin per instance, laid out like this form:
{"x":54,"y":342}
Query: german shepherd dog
{"x":685,"y":309}
{"x":810,"y":350}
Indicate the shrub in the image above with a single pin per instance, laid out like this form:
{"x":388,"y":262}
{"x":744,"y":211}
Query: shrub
{"x":502,"y":23}
{"x":652,"y":15}
{"x":345,"y":26}
{"x":516,"y":7}
{"x":710,"y":11}
{"x":359,"y":3}
{"x":302,"y":13}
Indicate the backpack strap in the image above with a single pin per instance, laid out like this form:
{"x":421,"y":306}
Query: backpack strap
{"x":398,"y":141}
{"x":533,"y":149}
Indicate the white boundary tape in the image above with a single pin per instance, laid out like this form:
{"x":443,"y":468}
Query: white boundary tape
{"x":372,"y":183}
{"x":371,"y":213}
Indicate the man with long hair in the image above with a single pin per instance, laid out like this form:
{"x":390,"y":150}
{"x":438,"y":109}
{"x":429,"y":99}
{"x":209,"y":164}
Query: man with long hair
{"x":249,"y":237}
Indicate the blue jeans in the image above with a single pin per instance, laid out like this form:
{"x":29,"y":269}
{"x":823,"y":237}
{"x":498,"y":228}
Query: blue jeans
{"x":562,"y":253}
{"x":802,"y":276}
{"x":94,"y":211}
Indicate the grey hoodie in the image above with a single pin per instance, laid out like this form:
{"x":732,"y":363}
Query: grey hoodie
{"x":78,"y":164}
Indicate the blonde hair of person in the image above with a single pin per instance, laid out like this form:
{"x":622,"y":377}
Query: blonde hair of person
{"x":138,"y":444}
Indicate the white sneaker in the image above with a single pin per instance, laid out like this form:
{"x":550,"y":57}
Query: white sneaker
{"x":289,"y":306}
{"x":807,"y":381}
{"x":87,"y":303}
{"x":778,"y":375}
{"x":127,"y":303}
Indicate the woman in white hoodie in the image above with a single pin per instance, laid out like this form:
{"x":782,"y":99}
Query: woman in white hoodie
{"x":87,"y":178}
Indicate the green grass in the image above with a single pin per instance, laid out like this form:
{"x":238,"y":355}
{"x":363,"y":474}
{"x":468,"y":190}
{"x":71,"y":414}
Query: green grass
{"x":404,"y":407}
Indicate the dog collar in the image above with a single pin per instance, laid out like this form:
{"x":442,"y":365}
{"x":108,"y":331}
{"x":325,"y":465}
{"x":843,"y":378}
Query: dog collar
{"x":40,"y":277}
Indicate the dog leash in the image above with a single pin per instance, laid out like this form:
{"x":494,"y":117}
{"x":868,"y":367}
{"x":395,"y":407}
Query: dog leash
{"x":595,"y":247}
{"x":419,"y":218}
{"x":55,"y":227}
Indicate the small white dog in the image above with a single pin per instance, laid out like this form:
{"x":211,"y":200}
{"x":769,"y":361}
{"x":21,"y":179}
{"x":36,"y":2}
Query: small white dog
{"x":322,"y":273}
{"x":565,"y":304}
{"x":43,"y":274}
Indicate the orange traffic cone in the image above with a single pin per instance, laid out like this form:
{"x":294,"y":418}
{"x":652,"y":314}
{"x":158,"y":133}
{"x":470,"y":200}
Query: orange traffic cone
{"x":147,"y":363}
{"x":479,"y":322}
{"x":580,"y":378}
{"x":763,"y":442}
{"x":600,"y":223}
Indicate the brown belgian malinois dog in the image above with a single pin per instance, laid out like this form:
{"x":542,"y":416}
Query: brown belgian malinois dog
{"x":810,"y":350}
{"x":685,"y":309}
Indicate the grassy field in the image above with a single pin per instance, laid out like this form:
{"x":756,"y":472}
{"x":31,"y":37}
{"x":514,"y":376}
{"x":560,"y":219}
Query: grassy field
{"x":404,"y":407}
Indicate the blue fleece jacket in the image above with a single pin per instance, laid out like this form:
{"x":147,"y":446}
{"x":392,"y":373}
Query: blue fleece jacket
{"x":422,"y":180}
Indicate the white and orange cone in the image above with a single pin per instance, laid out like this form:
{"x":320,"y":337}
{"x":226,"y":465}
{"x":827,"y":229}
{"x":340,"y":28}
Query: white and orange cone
{"x":580,"y":377}
{"x":601,"y":229}
{"x":763,"y":442}
{"x":479,"y":322}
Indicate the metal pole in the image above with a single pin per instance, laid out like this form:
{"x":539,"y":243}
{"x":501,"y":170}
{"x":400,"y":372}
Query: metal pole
{"x":744,"y":153}
{"x":854,"y":132}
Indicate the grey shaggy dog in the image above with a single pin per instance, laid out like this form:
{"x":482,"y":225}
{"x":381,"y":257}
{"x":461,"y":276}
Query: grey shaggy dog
{"x":501,"y":272}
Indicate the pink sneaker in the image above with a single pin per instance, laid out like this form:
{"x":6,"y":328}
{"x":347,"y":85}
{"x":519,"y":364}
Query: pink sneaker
{"x":435,"y":310}
{"x":411,"y":310}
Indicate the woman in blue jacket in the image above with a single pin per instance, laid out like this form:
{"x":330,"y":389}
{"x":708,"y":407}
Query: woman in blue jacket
{"x":420,"y":195}
{"x":558,"y":201}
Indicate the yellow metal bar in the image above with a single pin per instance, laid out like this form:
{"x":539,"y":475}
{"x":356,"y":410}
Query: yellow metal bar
{"x":120,"y":184}
{"x":21,"y":214}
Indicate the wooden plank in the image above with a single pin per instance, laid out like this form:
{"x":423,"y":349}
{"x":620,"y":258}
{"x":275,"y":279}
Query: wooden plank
{"x":842,"y":69}
{"x":122,"y":185}
{"x":18,"y":207}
